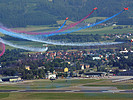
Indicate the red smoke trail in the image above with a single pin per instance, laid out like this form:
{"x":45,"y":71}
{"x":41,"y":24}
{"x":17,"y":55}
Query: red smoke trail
{"x":57,"y":31}
{"x":3,"y":48}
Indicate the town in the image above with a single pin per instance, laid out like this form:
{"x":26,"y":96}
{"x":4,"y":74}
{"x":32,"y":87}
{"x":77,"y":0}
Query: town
{"x":89,"y":62}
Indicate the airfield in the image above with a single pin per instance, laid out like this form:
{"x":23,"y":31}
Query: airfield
{"x":72,"y":88}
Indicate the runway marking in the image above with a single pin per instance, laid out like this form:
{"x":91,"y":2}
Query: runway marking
{"x":19,"y":91}
{"x":73,"y":91}
{"x":113,"y":91}
{"x":13,"y":91}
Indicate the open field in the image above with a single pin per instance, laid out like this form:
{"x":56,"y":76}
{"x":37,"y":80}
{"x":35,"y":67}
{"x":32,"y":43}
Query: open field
{"x":46,"y":84}
{"x":93,"y":19}
{"x":64,"y":85}
{"x":100,"y":31}
{"x":105,"y":30}
{"x":35,"y":28}
{"x":120,"y":85}
{"x":65,"y":96}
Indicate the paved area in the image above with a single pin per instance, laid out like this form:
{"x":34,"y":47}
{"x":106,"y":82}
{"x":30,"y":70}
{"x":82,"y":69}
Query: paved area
{"x":79,"y":89}
{"x":76,"y":91}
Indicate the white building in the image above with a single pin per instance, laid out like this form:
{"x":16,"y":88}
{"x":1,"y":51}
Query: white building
{"x":96,"y":58}
{"x":50,"y":75}
{"x":82,"y":67}
{"x":53,"y":76}
{"x":1,"y":80}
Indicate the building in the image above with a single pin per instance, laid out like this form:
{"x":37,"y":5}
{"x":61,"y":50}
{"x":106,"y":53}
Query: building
{"x":11,"y":79}
{"x":126,"y":73}
{"x":87,"y":66}
{"x":96,"y":58}
{"x":27,"y":67}
{"x":69,"y":63}
{"x":1,"y":80}
{"x":66,"y":69}
{"x":50,"y":76}
{"x":42,"y":67}
{"x":59,"y":69}
{"x":95,"y":74}
{"x":82,"y":67}
{"x":126,"y":51}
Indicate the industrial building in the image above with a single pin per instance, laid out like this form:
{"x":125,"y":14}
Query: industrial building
{"x":95,"y":74}
{"x":50,"y":75}
{"x":126,"y":73}
{"x":10,"y":79}
{"x":0,"y":80}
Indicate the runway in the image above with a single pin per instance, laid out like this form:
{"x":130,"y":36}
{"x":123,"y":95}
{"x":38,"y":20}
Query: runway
{"x":70,"y":91}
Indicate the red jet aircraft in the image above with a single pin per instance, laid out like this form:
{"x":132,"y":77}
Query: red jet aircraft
{"x":125,"y":8}
{"x":66,"y":18}
{"x":95,"y":8}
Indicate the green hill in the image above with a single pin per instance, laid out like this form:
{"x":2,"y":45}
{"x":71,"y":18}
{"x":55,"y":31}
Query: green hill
{"x":20,"y":13}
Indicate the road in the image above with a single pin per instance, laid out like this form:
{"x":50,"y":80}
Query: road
{"x":73,"y":91}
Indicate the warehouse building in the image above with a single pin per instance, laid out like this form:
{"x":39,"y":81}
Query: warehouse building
{"x":95,"y":74}
{"x":126,"y":73}
{"x":10,"y":79}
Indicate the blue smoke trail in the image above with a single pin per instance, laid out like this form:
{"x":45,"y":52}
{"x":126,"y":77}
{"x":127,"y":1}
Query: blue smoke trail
{"x":34,"y":49}
{"x":81,"y":28}
{"x":62,"y":25}
{"x":40,"y":38}
{"x":23,"y":36}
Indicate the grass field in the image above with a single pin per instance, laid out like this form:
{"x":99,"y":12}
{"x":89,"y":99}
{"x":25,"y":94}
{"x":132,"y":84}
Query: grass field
{"x":65,"y":96}
{"x":93,"y":19}
{"x":46,"y":84}
{"x":4,"y":95}
{"x":120,"y":85}
{"x":100,"y":31}
{"x":105,"y":30}
{"x":35,"y":28}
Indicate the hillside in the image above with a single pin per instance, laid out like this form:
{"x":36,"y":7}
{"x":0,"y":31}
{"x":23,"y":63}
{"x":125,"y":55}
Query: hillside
{"x":20,"y":13}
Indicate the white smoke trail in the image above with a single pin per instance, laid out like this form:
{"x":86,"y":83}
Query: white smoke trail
{"x":40,"y":38}
{"x":81,"y":44}
{"x":34,"y":49}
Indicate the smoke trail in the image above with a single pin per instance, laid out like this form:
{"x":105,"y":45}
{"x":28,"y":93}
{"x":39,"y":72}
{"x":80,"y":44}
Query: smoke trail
{"x":81,"y":44}
{"x":18,"y":31}
{"x":24,"y":36}
{"x":70,"y":26}
{"x":81,"y":28}
{"x":62,"y":25}
{"x":41,"y":39}
{"x":53,"y":32}
{"x":3,"y":48}
{"x":35,"y":49}
{"x":59,"y":33}
{"x":74,"y":24}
